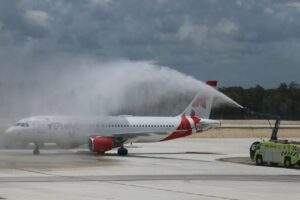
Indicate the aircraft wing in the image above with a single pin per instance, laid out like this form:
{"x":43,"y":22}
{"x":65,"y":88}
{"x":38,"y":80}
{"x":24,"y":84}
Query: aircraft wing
{"x":123,"y":137}
{"x":132,"y":135}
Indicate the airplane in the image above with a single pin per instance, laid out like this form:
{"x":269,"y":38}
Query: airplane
{"x":103,"y":133}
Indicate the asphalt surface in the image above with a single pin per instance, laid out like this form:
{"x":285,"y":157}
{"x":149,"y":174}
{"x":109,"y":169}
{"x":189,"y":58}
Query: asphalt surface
{"x":191,"y":168}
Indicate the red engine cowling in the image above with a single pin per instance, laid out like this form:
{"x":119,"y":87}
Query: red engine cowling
{"x":100,"y":144}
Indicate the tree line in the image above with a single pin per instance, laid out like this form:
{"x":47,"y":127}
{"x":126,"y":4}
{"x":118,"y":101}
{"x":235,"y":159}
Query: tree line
{"x":283,"y":101}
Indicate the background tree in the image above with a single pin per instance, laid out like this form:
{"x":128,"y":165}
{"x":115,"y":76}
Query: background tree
{"x":283,"y":100}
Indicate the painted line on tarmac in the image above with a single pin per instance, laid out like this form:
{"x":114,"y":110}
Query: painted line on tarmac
{"x":165,"y":158}
{"x":162,"y":177}
{"x":173,"y":191}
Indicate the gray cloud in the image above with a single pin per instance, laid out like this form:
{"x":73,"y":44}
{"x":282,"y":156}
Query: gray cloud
{"x":237,"y":42}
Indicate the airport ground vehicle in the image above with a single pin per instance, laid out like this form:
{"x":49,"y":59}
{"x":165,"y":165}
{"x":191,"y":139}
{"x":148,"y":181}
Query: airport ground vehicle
{"x":276,"y":152}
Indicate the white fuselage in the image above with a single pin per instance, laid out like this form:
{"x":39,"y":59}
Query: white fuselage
{"x":67,"y":130}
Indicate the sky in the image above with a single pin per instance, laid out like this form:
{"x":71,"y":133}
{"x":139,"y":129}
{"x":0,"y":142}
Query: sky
{"x":234,"y":41}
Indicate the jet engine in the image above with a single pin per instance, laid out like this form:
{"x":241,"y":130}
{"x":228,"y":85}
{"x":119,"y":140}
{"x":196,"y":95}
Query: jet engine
{"x":100,"y":144}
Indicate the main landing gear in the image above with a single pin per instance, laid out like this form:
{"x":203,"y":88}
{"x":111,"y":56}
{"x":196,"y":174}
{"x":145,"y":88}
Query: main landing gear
{"x":36,"y":150}
{"x":122,"y":151}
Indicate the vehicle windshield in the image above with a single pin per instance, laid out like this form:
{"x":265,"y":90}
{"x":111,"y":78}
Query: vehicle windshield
{"x":22,"y":124}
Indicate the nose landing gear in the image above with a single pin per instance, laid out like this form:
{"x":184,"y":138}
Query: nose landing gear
{"x":36,"y":150}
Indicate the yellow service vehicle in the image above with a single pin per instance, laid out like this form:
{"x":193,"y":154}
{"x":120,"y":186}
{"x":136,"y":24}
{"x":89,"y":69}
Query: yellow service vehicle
{"x":276,"y":151}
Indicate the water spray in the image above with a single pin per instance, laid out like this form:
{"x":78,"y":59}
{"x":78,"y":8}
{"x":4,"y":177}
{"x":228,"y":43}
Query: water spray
{"x":87,"y":87}
{"x":268,"y":117}
{"x":259,"y":114}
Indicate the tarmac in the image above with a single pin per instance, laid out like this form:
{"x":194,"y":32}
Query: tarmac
{"x":189,"y":168}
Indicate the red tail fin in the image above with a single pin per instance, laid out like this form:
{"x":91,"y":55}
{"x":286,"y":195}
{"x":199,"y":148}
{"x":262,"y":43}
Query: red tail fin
{"x":202,"y":103}
{"x":212,"y":83}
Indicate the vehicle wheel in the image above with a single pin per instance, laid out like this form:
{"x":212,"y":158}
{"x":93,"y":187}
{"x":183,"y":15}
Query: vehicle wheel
{"x":287,"y":162}
{"x":36,"y":152}
{"x":253,"y":148}
{"x":122,"y":151}
{"x":259,"y":160}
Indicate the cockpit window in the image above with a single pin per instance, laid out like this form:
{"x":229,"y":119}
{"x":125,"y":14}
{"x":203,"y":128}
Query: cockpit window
{"x":22,"y":124}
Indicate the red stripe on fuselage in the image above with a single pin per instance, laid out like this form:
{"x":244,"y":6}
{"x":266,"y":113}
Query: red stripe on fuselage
{"x":184,"y":129}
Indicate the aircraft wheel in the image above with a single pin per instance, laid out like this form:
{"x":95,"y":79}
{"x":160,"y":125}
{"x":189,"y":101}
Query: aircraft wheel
{"x":122,"y":151}
{"x":36,"y":152}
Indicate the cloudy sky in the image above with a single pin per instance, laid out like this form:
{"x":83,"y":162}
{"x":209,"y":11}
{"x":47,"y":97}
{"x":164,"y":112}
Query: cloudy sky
{"x":237,"y":42}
